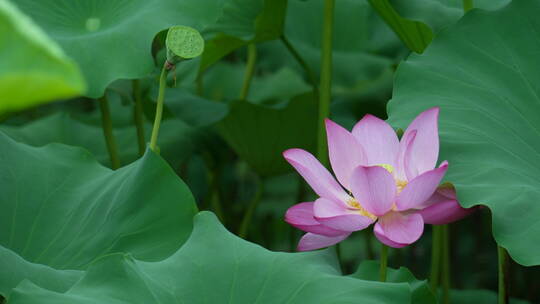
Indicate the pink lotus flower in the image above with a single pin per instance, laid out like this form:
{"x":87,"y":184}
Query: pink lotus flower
{"x":383,"y":180}
{"x":443,"y":207}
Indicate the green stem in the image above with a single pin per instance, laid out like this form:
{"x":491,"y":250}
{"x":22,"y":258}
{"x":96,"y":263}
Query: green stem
{"x":503,"y":272}
{"x":106,"y":123}
{"x":436,"y":251}
{"x":292,"y":238}
{"x":159,"y":107}
{"x":369,"y":246}
{"x":309,"y":72}
{"x":138,"y":116}
{"x":326,"y":78}
{"x":242,"y":232}
{"x":215,"y":202}
{"x":339,"y":255}
{"x":250,"y":68}
{"x":467,"y":5}
{"x":445,"y":265}
{"x":200,"y":84}
{"x":384,"y":263}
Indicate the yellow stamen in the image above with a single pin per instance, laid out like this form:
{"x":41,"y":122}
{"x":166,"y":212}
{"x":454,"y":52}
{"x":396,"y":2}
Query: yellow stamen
{"x":354,"y":203}
{"x":400,"y":184}
{"x":359,"y":209}
{"x":388,"y":167}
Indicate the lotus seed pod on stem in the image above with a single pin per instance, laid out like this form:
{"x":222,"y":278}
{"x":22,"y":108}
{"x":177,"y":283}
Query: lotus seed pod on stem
{"x":183,"y":43}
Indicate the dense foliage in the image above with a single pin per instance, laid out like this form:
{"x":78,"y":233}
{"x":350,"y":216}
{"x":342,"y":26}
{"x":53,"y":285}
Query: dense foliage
{"x":97,"y":208}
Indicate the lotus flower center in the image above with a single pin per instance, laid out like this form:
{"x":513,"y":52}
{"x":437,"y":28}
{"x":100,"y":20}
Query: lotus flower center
{"x":388,"y":167}
{"x":400,"y":184}
{"x":356,"y":206}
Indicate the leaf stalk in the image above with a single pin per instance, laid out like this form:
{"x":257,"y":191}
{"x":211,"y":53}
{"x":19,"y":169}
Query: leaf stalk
{"x":384,"y":263}
{"x":138,"y":116}
{"x":244,"y":226}
{"x":468,"y":5}
{"x":503,"y":275}
{"x":436,"y":251}
{"x":250,"y":69}
{"x":106,"y":123}
{"x":326,"y":78}
{"x":159,"y":105}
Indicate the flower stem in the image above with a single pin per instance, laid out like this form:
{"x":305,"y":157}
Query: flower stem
{"x":503,"y":271}
{"x":309,"y":72}
{"x":369,"y":247}
{"x":326,"y":78}
{"x":159,"y":107}
{"x":250,"y":68}
{"x":436,"y":251}
{"x":213,"y":197}
{"x":339,"y":256}
{"x":106,"y":123}
{"x":384,"y":263}
{"x":243,"y":231}
{"x":445,"y":265}
{"x":138,"y":116}
{"x":200,"y":84}
{"x":467,"y":5}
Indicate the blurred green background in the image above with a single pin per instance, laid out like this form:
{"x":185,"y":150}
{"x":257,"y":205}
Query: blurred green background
{"x":228,"y":151}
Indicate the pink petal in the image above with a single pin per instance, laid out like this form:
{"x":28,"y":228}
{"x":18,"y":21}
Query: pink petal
{"x":375,"y":189}
{"x":444,"y":212}
{"x":311,"y":241}
{"x":425,"y":149}
{"x":301,"y":217}
{"x":344,"y":151}
{"x":447,"y":190}
{"x":402,"y":228}
{"x":443,"y":193}
{"x":320,"y":180}
{"x":337,"y":216}
{"x":378,"y":139}
{"x":420,"y":189}
{"x":404,"y":156}
{"x":379,"y":233}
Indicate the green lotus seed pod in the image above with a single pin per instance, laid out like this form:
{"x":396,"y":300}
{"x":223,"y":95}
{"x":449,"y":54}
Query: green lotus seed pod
{"x":183,"y":43}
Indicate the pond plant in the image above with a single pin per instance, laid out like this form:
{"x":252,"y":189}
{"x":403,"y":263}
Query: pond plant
{"x":171,"y":151}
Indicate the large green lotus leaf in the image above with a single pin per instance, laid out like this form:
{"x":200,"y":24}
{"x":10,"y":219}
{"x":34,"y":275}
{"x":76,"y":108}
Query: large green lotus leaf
{"x":420,"y":290}
{"x":260,"y":133}
{"x":33,"y":69}
{"x":284,"y":84}
{"x":224,"y":81}
{"x":478,"y":296}
{"x":359,"y":37}
{"x":14,"y":269}
{"x":175,"y":138}
{"x":264,"y":20}
{"x":215,"y":266}
{"x":111,"y":39}
{"x":195,"y":110}
{"x":414,"y":34}
{"x":61,"y":209}
{"x":403,"y":16}
{"x":439,"y":14}
{"x":489,"y":126}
